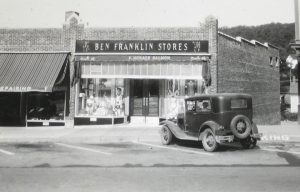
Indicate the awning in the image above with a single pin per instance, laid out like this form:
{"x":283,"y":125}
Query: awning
{"x":142,"y":67}
{"x":28,"y":72}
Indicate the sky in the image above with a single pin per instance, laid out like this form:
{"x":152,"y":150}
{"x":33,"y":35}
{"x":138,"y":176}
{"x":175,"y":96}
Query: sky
{"x":144,"y":13}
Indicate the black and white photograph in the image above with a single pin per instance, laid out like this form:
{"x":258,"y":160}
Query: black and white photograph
{"x":149,"y":95}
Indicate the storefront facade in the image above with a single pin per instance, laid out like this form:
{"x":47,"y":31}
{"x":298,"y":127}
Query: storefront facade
{"x":141,"y":75}
{"x":34,"y":88}
{"x":137,"y":81}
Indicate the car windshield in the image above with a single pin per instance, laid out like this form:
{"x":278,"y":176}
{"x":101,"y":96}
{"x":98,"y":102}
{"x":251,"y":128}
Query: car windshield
{"x":191,"y":105}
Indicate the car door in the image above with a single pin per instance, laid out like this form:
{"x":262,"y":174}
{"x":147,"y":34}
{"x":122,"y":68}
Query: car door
{"x":203,"y":113}
{"x":189,"y":114}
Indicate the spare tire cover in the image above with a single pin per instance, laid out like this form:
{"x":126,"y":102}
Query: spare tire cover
{"x":240,"y":126}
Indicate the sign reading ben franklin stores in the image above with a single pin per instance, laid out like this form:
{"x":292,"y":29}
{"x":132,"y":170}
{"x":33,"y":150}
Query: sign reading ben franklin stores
{"x":94,"y":46}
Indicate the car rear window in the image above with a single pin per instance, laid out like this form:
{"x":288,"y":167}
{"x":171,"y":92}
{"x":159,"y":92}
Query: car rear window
{"x":238,"y":104}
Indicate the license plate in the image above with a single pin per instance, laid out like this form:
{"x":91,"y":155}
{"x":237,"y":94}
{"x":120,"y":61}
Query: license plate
{"x":45,"y":123}
{"x":93,"y":119}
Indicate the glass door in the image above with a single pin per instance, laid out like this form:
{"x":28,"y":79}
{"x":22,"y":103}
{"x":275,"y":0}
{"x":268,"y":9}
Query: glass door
{"x":145,"y":97}
{"x":152,"y":98}
{"x":137,"y":98}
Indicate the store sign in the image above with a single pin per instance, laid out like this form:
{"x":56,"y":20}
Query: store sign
{"x":149,"y":58}
{"x":94,"y":46}
{"x":202,"y":57}
{"x":14,"y":89}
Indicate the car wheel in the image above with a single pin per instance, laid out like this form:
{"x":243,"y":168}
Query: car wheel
{"x":166,"y":135}
{"x":248,"y":143}
{"x":240,"y":126}
{"x":209,"y":141}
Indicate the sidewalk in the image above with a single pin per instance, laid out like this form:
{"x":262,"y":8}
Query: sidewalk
{"x":81,"y":134}
{"x":286,"y":132}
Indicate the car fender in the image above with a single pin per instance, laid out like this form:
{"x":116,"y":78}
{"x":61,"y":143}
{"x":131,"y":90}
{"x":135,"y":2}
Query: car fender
{"x":254,"y":132}
{"x":209,"y":124}
{"x":170,"y":124}
{"x":177,"y":131}
{"x":254,"y":128}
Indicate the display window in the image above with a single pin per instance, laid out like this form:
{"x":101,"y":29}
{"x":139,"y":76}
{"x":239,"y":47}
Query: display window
{"x":175,"y":93}
{"x":100,"y":97}
{"x":46,"y":106}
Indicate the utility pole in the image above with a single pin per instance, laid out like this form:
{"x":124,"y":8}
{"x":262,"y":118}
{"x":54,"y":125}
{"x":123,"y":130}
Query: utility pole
{"x":296,"y":47}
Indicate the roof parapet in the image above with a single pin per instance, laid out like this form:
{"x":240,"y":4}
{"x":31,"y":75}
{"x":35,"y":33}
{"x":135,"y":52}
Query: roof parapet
{"x":228,"y":36}
{"x":245,"y":40}
{"x":252,"y":42}
{"x":259,"y":43}
{"x":270,"y":45}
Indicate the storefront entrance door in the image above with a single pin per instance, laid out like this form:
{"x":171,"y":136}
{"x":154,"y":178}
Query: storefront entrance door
{"x":145,"y":98}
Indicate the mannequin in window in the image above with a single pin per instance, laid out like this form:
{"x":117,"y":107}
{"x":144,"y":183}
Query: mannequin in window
{"x":90,"y":104}
{"x":119,"y":101}
{"x":190,"y":88}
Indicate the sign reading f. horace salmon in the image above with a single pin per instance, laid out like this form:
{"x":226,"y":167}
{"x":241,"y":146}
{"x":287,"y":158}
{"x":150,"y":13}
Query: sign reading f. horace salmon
{"x":94,"y":46}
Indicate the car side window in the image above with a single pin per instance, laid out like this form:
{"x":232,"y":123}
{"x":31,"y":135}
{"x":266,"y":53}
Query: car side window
{"x":191,"y":105}
{"x":203,"y":105}
{"x":238,"y":104}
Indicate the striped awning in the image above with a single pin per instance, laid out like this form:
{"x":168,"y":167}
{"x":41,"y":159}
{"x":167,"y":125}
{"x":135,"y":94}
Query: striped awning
{"x":28,"y":72}
{"x":142,"y":66}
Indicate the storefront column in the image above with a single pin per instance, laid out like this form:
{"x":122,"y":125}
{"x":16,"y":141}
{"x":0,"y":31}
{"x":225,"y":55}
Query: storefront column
{"x":22,"y":109}
{"x":70,"y":95}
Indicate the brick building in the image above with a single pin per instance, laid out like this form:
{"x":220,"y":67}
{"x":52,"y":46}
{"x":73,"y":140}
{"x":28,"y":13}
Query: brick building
{"x":115,"y":75}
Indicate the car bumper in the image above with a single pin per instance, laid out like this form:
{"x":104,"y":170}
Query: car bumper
{"x":257,"y":136}
{"x":224,"y":139}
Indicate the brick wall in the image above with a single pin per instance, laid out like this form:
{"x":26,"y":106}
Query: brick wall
{"x":244,"y":67}
{"x":48,"y":39}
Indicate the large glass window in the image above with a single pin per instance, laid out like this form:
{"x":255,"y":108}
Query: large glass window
{"x":101,"y":97}
{"x":175,"y":92}
{"x":46,"y":106}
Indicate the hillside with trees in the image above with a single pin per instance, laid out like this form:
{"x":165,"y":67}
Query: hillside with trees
{"x":278,"y":34}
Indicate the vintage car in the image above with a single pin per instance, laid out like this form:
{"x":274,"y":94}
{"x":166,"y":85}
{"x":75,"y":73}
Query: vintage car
{"x":214,"y":119}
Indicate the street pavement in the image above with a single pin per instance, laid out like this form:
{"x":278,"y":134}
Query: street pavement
{"x":147,"y":166}
{"x":140,"y":154}
{"x":132,"y":158}
{"x":148,"y":179}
